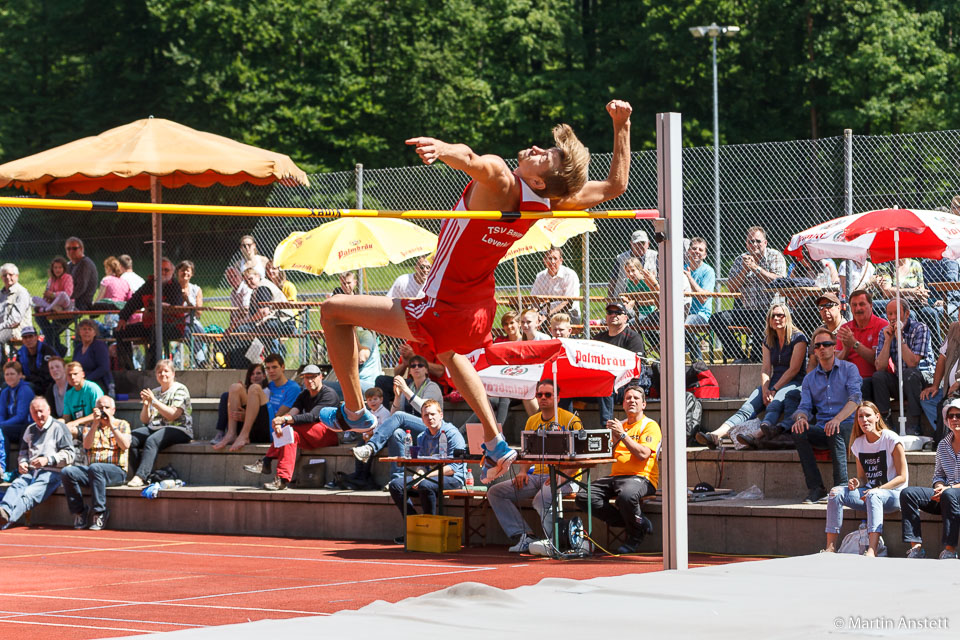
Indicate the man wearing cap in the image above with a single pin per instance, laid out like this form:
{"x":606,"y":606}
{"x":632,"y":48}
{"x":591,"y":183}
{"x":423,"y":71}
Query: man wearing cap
{"x":918,"y":364}
{"x":308,"y":431}
{"x":639,"y":249}
{"x":557,"y":280}
{"x":750,"y":275}
{"x":33,"y":356}
{"x":619,"y":335}
{"x":859,"y":337}
{"x":828,"y":304}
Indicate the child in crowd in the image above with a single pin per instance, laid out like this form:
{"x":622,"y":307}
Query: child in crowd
{"x":361,"y":478}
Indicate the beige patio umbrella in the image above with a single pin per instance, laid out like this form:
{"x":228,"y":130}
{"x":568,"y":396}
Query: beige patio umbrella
{"x":148,"y":154}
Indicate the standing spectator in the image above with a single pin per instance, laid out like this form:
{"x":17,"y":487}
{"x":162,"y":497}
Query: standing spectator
{"x":702,"y":279}
{"x":279,"y":278}
{"x":56,"y":393}
{"x":829,"y":398}
{"x":881,"y":475}
{"x":750,"y":275}
{"x":410,"y":285}
{"x":84,"y":272}
{"x":943,"y":499}
{"x":557,"y":280}
{"x":249,"y":258}
{"x":128,"y":274}
{"x":828,"y":304}
{"x":107,"y":444}
{"x":634,"y":475}
{"x":192,"y":297}
{"x":428,"y":487}
{"x":172,"y":322}
{"x":640,"y":249}
{"x":529,"y":323}
{"x":45,"y":450}
{"x":93,"y":355}
{"x":859,"y":338}
{"x":918,"y":365}
{"x":167,"y":417}
{"x":348,"y":284}
{"x":78,"y":404}
{"x":58,"y":295}
{"x":233,"y":403}
{"x":308,"y":431}
{"x":239,"y":299}
{"x":781,"y":375}
{"x":33,"y":356}
{"x":619,"y":335}
{"x":15,"y":401}
{"x":505,"y":496}
{"x":15,"y":313}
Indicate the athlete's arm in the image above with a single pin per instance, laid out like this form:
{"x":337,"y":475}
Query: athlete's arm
{"x":597,"y":191}
{"x":489,"y":170}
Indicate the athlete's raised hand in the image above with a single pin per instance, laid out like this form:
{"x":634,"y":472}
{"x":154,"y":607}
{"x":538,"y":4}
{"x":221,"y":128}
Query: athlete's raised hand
{"x":620,"y":111}
{"x":428,"y":149}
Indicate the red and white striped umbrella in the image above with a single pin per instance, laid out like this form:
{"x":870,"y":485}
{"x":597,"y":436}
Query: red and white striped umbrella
{"x":584,"y":368}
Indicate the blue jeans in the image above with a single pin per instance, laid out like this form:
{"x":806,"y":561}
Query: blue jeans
{"x":333,"y":384}
{"x":931,"y":408}
{"x":428,"y":490}
{"x":879,"y":502}
{"x":753,"y":406}
{"x":815,"y":436}
{"x":98,"y":476}
{"x":913,"y":500}
{"x":391,"y":434}
{"x":28,"y":491}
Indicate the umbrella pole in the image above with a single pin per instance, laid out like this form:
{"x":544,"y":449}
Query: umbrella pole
{"x":155,"y":198}
{"x":896,"y":266}
{"x":556,"y":395}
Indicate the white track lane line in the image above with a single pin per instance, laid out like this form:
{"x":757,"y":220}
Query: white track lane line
{"x":58,"y":614}
{"x":127,"y":603}
{"x":76,"y":626}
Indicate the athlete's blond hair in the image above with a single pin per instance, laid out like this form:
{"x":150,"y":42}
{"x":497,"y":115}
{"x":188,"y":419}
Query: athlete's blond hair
{"x":570,"y":177}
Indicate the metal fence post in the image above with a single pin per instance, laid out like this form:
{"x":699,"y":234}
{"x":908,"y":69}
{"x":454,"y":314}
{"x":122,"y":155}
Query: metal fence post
{"x":358,"y":189}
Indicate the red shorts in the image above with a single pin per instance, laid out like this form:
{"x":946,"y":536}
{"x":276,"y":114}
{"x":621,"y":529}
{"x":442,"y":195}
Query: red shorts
{"x":443,"y":327}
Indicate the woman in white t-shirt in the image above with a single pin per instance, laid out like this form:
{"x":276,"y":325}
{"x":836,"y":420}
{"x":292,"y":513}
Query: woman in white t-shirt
{"x":881,"y":475}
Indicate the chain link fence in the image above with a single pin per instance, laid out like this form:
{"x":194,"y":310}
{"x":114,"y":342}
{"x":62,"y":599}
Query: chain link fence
{"x":783,"y":187}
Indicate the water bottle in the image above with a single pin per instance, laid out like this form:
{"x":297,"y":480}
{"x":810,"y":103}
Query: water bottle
{"x":112,"y":390}
{"x":442,"y":445}
{"x":863,"y":538}
{"x":170,"y":483}
{"x":407,"y":444}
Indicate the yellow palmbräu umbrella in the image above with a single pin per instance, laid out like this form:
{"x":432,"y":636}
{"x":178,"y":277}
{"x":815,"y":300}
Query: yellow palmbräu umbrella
{"x":546,"y":233}
{"x":349,"y":244}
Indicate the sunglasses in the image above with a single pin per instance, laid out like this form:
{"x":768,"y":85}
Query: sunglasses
{"x":755,"y":241}
{"x":73,"y":248}
{"x":823,"y":345}
{"x":953,"y":416}
{"x":546,"y":394}
{"x":417,"y":365}
{"x":829,"y":305}
{"x":777,"y":315}
{"x":614,"y":312}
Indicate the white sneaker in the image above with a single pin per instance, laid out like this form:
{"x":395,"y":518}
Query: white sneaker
{"x":540,"y":548}
{"x":522,"y":544}
{"x":363,"y":452}
{"x":135,"y":481}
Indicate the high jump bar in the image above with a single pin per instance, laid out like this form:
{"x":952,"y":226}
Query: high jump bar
{"x":300,"y":212}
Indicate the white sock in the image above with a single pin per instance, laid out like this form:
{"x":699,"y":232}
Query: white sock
{"x":492,"y":444}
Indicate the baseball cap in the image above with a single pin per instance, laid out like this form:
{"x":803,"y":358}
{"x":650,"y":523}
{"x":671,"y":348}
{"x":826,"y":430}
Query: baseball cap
{"x":310,"y":369}
{"x":619,"y":306}
{"x":28,"y":331}
{"x":639,"y":236}
{"x":829,"y":296}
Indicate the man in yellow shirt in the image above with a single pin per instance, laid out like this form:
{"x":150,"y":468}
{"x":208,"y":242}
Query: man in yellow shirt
{"x":505,"y":497}
{"x":633,"y":476}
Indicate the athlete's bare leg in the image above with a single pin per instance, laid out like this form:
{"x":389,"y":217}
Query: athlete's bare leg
{"x":339,"y":315}
{"x":236,"y":400}
{"x":468,"y":383}
{"x":256,"y":398}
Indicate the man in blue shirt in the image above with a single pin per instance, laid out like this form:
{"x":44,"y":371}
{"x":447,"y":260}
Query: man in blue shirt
{"x":429,"y":442}
{"x":828,"y":401}
{"x":283,"y":391}
{"x":702,"y":279}
{"x":918,"y":365}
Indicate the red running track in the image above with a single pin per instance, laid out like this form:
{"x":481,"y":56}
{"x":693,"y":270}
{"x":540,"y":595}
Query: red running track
{"x":64,"y":584}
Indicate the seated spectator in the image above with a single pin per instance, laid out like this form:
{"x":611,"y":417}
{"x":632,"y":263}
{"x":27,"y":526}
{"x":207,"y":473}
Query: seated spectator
{"x":640,"y":249}
{"x":946,"y":385}
{"x":702,"y":279}
{"x":33,"y":356}
{"x":233,"y":403}
{"x":634,"y":476}
{"x":107,"y":443}
{"x":620,"y":335}
{"x":535,"y":484}
{"x":750,"y":276}
{"x":530,"y":320}
{"x":918,"y":365}
{"x":829,"y":398}
{"x":262,"y":406}
{"x":250,"y":259}
{"x":128,"y":274}
{"x":239,"y":299}
{"x":943,"y":499}
{"x":114,"y":290}
{"x":859,"y":338}
{"x":92,"y":354}
{"x":348,"y":284}
{"x":436,"y":371}
{"x":560,"y":326}
{"x":57,"y":391}
{"x":308,"y":431}
{"x":427,"y":487}
{"x":510,"y":324}
{"x":58,"y":294}
{"x":409,"y":286}
{"x":557,"y":280}
{"x":78,"y":404}
{"x":45,"y":449}
{"x":192,"y":297}
{"x":15,"y":314}
{"x":84,"y":274}
{"x":881,"y":476}
{"x":781,"y":375}
{"x":265,"y":319}
{"x":911,"y":284}
{"x":167,"y":418}
{"x":143,"y":299}
{"x":939,"y":306}
{"x":362,"y":476}
{"x":14,"y":403}
{"x":828,"y":305}
{"x":279,"y":278}
{"x":411,"y":392}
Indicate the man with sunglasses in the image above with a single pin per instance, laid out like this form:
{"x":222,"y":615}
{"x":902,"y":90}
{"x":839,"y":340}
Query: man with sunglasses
{"x":749,"y":275}
{"x":828,"y":401}
{"x":505,"y":496}
{"x":828,"y":304}
{"x":409,"y":286}
{"x":619,"y":335}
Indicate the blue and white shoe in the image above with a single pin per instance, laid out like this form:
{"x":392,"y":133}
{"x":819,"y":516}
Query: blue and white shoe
{"x":335,"y":418}
{"x":496,"y":462}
